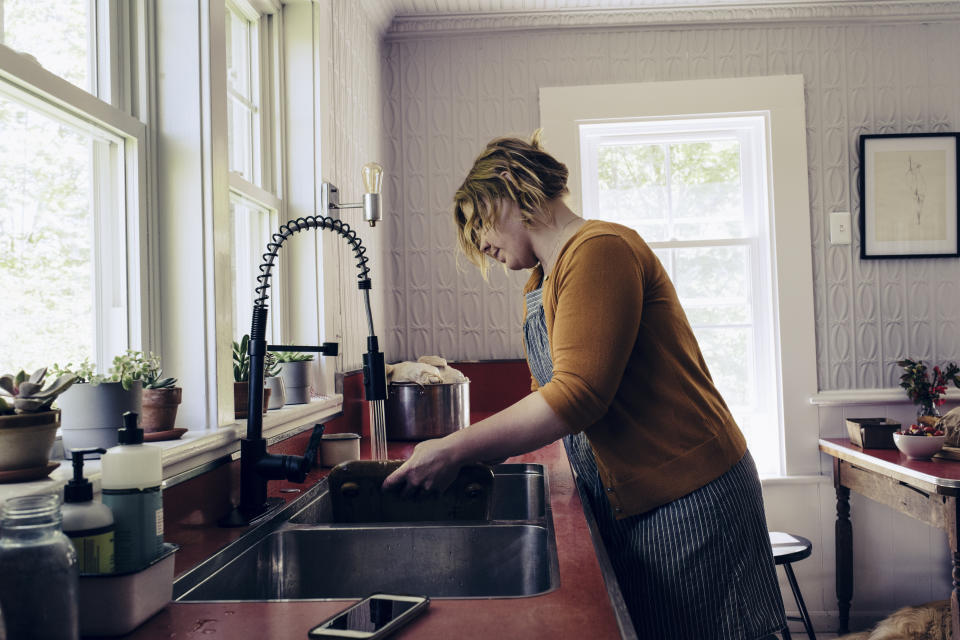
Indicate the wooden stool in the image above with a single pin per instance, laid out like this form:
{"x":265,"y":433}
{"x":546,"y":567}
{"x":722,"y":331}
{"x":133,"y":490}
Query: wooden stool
{"x":787,"y":549}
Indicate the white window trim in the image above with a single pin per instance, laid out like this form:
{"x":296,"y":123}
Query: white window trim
{"x":563,"y":109}
{"x":52,"y":95}
{"x":748,"y":131}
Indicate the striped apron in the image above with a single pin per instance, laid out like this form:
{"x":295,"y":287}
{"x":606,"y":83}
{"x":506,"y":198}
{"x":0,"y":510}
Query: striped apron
{"x":698,"y":568}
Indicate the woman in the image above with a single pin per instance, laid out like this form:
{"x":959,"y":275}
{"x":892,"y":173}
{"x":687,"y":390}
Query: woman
{"x":618,"y":373}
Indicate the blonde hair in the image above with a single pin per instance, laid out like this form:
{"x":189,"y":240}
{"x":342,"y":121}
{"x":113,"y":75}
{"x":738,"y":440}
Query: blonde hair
{"x":510,"y":169}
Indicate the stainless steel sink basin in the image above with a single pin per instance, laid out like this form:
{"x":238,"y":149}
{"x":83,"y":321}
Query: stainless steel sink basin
{"x":301,"y":554}
{"x":519,"y":493}
{"x":351,"y":562}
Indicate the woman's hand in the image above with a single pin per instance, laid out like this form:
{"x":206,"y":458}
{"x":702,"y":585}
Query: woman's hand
{"x":431,"y":467}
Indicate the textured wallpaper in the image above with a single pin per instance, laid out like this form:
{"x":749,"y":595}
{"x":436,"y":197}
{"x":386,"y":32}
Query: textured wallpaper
{"x":357,"y":138}
{"x":445,"y":97}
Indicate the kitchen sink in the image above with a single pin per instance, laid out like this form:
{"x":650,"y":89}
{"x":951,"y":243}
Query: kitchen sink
{"x":301,"y":554}
{"x":351,"y":562}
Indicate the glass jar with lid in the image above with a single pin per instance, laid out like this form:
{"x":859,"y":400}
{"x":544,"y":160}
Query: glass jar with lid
{"x":38,"y":591}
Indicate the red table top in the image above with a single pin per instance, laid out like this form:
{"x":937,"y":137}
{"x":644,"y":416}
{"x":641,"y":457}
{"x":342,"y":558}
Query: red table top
{"x":938,"y":474}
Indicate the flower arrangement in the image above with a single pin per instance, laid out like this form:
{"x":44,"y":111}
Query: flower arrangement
{"x":926,"y":391}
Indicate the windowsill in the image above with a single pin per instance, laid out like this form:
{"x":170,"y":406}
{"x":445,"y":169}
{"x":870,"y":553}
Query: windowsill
{"x":196,"y":450}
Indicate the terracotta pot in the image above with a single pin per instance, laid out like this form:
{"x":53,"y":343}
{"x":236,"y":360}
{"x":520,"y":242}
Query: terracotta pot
{"x":240,"y":399}
{"x":159,"y":409}
{"x":26,"y":439}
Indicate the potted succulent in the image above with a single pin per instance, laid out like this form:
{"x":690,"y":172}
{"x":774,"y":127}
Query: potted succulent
{"x":160,"y":400}
{"x":295,"y":371}
{"x":241,"y":378}
{"x":92,"y":408}
{"x":28,"y":423}
{"x":273,"y":381}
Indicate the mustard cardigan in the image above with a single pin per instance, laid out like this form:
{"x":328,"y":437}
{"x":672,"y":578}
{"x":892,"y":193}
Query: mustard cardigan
{"x":628,"y":372}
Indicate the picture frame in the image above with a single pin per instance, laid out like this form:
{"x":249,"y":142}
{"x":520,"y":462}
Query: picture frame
{"x":908,"y":195}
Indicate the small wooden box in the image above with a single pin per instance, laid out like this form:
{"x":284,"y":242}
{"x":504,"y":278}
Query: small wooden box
{"x":872,"y":433}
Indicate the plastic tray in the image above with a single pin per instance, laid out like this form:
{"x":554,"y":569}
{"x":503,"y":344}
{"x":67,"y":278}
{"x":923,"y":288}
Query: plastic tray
{"x":114,"y":604}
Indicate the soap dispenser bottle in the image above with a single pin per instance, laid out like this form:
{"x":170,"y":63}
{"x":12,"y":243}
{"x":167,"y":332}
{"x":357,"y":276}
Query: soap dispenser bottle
{"x":88,"y":524}
{"x":131,"y":474}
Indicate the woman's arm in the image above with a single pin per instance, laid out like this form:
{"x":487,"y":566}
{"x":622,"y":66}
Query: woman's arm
{"x":522,"y":427}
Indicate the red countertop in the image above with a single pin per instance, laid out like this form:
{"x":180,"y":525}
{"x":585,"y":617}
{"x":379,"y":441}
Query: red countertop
{"x":578,"y":608}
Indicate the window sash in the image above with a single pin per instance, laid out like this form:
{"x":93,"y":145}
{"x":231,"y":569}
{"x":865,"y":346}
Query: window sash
{"x":759,"y":407}
{"x":117,"y":160}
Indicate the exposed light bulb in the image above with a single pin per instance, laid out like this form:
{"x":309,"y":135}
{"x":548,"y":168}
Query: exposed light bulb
{"x":372,"y":174}
{"x":372,"y":177}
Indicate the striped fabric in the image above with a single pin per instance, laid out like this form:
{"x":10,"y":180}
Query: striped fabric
{"x":697,"y":568}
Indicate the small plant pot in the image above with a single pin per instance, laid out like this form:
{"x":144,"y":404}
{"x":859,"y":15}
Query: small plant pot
{"x":26,"y":439}
{"x":241,"y":397}
{"x":278,"y":396}
{"x":160,"y":409}
{"x":91,"y":414}
{"x":296,"y":381}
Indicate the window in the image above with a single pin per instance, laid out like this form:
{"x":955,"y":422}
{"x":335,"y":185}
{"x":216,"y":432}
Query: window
{"x":695,"y":190}
{"x":243,"y":92}
{"x":745,"y":216}
{"x":255,"y":202}
{"x":70,"y":198}
{"x":252,"y":225}
{"x":55,"y":32}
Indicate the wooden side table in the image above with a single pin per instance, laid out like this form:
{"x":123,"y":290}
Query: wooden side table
{"x":926,"y":490}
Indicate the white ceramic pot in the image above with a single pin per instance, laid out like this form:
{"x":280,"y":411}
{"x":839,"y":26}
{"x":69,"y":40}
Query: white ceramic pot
{"x":278,"y":396}
{"x":26,"y":439}
{"x":296,"y":381}
{"x":339,"y":447}
{"x":92,"y":414}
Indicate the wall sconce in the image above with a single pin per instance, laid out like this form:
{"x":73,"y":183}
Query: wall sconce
{"x":372,"y":174}
{"x":256,"y":465}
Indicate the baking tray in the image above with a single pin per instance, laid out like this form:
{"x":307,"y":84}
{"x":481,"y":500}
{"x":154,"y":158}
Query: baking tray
{"x":357,"y":496}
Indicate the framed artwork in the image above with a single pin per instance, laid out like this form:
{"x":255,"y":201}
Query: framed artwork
{"x":908,"y":195}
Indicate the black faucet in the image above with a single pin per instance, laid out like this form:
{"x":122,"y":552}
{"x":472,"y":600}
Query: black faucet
{"x":257,"y":466}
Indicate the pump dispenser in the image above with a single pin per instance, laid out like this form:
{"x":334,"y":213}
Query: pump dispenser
{"x":131,"y":476}
{"x":88,"y":524}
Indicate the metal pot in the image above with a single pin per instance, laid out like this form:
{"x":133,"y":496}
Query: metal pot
{"x":418,"y":412}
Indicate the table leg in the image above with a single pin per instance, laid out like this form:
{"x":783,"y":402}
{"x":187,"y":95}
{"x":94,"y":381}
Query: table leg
{"x":844,"y":551}
{"x":953,"y":525}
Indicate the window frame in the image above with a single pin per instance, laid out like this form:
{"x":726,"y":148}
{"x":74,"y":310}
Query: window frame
{"x":563,"y":109}
{"x":30,"y":84}
{"x":748,"y":130}
{"x":264,"y":190}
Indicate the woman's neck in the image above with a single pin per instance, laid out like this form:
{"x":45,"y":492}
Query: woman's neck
{"x":550,"y":238}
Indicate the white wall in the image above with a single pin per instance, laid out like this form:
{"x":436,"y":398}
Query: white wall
{"x":335,"y":92}
{"x":448,"y":94}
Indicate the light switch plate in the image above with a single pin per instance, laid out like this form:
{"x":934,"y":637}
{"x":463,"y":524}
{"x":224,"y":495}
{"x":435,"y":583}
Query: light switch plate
{"x":840,"y":227}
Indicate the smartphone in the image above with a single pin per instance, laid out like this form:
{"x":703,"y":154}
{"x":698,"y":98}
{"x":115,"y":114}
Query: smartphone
{"x":374,"y":617}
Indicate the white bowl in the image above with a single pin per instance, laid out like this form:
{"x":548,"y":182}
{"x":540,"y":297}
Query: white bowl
{"x":918,"y":447}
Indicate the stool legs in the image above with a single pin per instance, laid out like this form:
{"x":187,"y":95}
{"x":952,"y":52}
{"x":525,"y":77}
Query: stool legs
{"x":804,"y":616}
